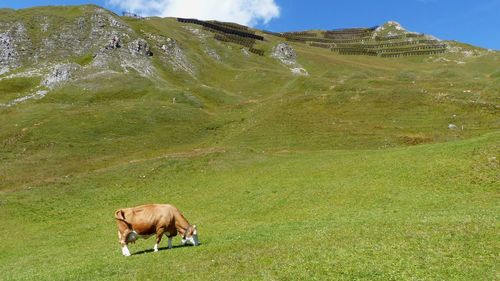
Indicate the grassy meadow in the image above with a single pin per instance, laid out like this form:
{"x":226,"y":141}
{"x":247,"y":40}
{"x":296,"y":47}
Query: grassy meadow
{"x":426,"y":212}
{"x":350,"y":173}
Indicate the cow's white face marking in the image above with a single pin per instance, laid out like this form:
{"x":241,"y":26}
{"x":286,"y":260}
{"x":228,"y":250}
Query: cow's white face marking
{"x":125,"y":251}
{"x":193,"y":240}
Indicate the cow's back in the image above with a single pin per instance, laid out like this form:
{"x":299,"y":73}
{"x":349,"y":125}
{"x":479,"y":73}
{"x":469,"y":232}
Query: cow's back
{"x":145,"y":219}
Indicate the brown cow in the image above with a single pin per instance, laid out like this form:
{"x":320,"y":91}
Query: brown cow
{"x":146,"y":220}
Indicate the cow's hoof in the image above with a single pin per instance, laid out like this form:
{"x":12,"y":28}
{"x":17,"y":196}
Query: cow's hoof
{"x":125,"y":252}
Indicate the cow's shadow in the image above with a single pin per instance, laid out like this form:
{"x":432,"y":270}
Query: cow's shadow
{"x":159,"y":249}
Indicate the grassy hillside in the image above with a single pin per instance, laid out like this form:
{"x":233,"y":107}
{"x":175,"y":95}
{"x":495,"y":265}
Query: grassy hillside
{"x":350,"y":172}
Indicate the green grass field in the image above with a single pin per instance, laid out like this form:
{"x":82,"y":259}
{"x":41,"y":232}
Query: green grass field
{"x":427,"y":212}
{"x":350,"y":173}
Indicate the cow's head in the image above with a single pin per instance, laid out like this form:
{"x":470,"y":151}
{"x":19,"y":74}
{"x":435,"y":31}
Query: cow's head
{"x":191,"y":236}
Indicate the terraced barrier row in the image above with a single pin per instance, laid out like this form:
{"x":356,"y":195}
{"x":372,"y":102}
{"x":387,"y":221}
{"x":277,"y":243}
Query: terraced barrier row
{"x":362,"y":40}
{"x":390,"y":45}
{"x":233,"y":26}
{"x":353,"y":41}
{"x":357,"y":52}
{"x":320,"y":45}
{"x":415,"y":53}
{"x":220,"y":28}
{"x":419,"y":48}
{"x":300,"y":34}
{"x":388,"y":38}
{"x":398,"y":37}
{"x":349,"y":38}
{"x":296,"y":39}
{"x":414,"y":35}
{"x":360,"y":30}
{"x":356,"y":40}
{"x":246,"y":42}
{"x":257,"y":51}
{"x":396,"y":52}
{"x":350,"y":33}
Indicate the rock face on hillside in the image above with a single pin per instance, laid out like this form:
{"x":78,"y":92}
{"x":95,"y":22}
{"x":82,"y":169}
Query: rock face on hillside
{"x":390,"y":28}
{"x":139,"y":47}
{"x":14,"y":44}
{"x":285,"y":53}
{"x":48,"y":45}
{"x":95,"y":32}
{"x":83,"y":34}
{"x":8,"y":54}
{"x":114,"y":43}
{"x":175,"y":56}
{"x":59,"y":74}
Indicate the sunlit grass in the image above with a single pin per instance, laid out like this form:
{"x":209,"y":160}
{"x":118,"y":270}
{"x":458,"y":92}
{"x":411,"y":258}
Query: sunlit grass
{"x":373,"y":215}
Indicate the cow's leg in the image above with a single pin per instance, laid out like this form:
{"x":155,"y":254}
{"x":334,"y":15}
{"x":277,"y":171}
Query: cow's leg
{"x":159,"y":235}
{"x":125,"y":250}
{"x":123,"y":242}
{"x":170,"y":242}
{"x":156,"y":245}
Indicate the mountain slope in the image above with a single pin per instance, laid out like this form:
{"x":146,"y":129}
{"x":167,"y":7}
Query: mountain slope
{"x":87,"y":88}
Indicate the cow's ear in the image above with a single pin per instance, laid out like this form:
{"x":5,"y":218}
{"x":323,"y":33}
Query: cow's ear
{"x":194,"y":230}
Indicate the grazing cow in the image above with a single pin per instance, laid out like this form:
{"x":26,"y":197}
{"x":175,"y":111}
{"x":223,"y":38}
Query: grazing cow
{"x":147,"y":220}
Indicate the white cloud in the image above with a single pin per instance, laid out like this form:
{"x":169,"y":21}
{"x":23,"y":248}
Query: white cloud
{"x":247,"y":12}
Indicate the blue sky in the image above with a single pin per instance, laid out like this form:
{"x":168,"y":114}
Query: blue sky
{"x":474,"y":22}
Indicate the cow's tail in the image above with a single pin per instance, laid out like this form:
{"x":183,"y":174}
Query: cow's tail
{"x":119,"y":215}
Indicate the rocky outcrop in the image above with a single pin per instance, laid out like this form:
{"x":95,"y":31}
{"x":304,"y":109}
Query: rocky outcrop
{"x":60,"y":73}
{"x":196,"y":32}
{"x":14,"y":46}
{"x":44,"y":26}
{"x":175,"y":56}
{"x":8,"y":54}
{"x":285,"y":53}
{"x":212,"y":53}
{"x":114,"y":43}
{"x":139,"y":47}
{"x":135,"y":55}
{"x":245,"y":52}
{"x":94,"y":29}
{"x":299,"y":71}
{"x":466,"y":53}
{"x":80,"y":23}
{"x":390,"y":28}
{"x":98,"y":21}
{"x":96,"y":32}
